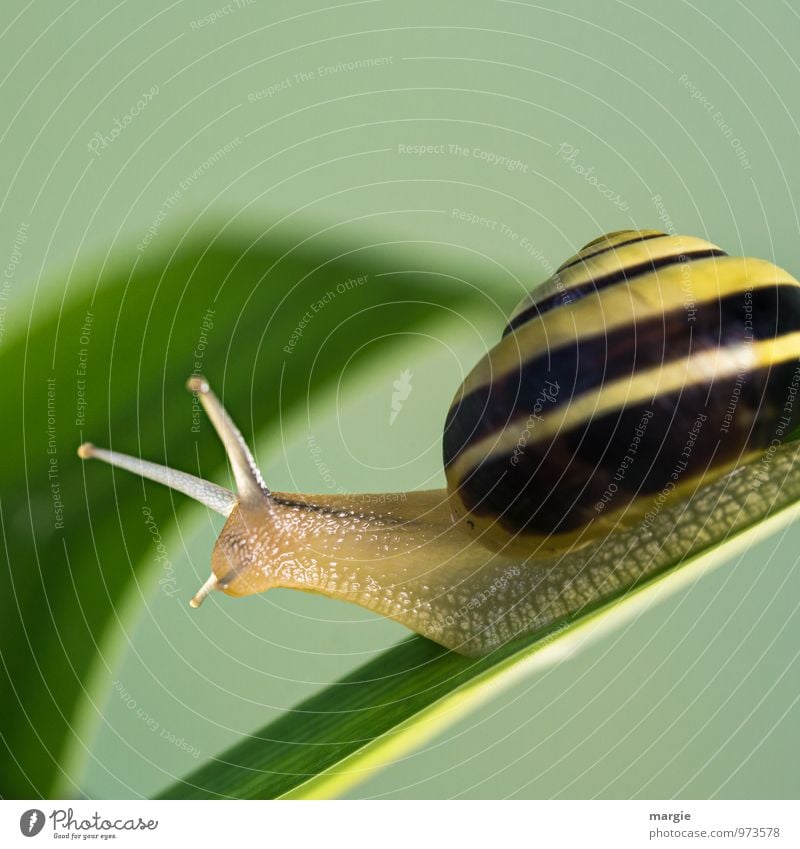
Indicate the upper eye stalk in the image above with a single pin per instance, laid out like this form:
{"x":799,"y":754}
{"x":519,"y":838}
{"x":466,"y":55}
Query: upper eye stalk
{"x":250,"y":486}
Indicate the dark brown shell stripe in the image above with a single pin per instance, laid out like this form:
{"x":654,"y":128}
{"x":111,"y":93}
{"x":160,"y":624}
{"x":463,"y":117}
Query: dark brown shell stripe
{"x":602,"y":244}
{"x":560,"y":479}
{"x":568,"y":296}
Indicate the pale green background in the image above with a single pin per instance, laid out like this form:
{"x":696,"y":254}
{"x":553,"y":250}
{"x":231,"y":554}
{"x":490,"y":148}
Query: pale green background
{"x":697,"y":698}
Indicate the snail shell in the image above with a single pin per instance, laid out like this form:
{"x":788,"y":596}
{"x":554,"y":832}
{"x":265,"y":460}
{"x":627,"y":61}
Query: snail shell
{"x":648,"y":362}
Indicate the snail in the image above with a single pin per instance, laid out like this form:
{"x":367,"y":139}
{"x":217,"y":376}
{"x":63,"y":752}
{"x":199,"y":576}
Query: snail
{"x":647,"y":372}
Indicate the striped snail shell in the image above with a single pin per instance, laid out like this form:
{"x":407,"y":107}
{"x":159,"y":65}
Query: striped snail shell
{"x":647,"y":363}
{"x":645,"y":372}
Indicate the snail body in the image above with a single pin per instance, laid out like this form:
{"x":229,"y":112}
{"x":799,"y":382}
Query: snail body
{"x":645,"y":372}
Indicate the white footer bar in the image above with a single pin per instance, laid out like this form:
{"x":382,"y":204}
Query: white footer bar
{"x":402,"y":824}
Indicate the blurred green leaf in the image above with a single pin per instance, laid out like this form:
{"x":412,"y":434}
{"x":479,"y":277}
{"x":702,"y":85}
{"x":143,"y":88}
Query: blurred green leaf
{"x":137,"y":330}
{"x":393,"y":704}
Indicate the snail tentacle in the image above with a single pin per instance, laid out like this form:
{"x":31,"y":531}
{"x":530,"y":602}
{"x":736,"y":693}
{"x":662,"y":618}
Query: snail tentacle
{"x":249,"y":483}
{"x":200,"y":596}
{"x":215,"y":497}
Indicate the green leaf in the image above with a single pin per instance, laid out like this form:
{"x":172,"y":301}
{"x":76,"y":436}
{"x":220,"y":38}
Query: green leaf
{"x":341,"y":735}
{"x":123,"y":346}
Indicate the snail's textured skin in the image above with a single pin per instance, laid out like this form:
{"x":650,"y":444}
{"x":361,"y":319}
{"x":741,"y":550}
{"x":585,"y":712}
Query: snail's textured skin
{"x":647,"y":363}
{"x":426,"y":573}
